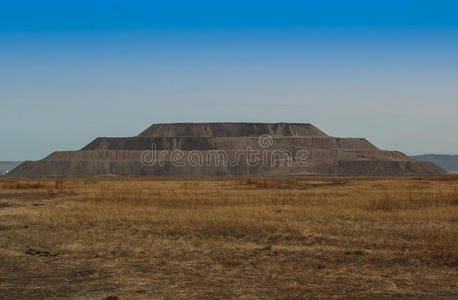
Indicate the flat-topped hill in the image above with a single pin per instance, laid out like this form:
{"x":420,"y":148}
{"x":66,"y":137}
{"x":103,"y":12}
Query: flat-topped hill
{"x":227,"y":149}
{"x":231,"y":130}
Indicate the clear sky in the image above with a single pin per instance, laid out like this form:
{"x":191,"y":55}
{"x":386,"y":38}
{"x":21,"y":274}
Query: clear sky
{"x":71,"y":71}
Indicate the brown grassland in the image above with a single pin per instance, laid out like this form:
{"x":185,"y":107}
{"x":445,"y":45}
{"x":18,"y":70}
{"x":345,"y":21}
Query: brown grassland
{"x":264,"y":238}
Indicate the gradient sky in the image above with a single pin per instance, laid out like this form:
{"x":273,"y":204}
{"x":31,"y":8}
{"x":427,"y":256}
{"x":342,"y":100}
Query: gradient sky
{"x":71,"y":71}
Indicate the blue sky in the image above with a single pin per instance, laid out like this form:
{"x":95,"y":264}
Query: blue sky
{"x":71,"y":71}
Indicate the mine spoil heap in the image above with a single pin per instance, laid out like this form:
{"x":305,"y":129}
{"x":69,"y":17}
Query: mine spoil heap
{"x":326,"y":155}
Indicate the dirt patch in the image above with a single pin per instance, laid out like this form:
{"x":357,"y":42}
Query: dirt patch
{"x":24,"y":196}
{"x":31,"y":251}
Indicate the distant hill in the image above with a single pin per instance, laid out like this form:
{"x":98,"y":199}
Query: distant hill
{"x":447,"y":162}
{"x":8,"y":166}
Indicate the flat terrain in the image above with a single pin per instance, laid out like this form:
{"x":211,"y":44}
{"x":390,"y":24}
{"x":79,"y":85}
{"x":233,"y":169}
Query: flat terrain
{"x":272,"y":238}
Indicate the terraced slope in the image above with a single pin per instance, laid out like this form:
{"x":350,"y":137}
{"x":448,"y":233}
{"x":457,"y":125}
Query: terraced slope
{"x":227,"y":149}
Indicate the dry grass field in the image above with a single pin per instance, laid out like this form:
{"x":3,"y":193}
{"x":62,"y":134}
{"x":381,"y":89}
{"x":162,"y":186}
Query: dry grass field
{"x":266,"y":238}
